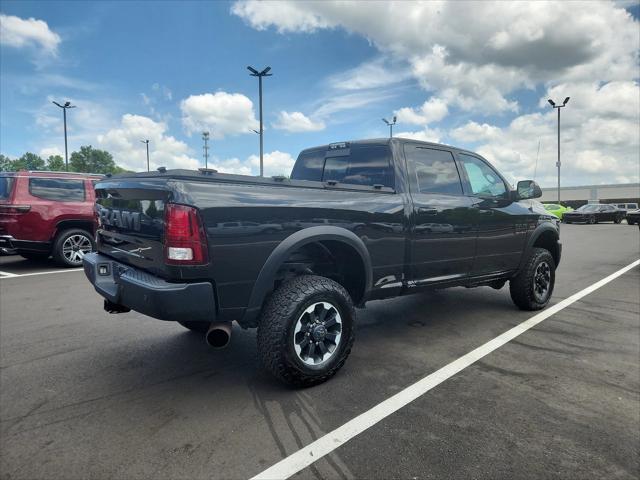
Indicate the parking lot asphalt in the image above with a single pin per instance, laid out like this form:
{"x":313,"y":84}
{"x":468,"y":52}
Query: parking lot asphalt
{"x":85,"y":394}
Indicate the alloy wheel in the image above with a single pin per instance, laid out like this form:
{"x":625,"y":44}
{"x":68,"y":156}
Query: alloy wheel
{"x":317,"y":333}
{"x":75,"y":247}
{"x":542,"y":282}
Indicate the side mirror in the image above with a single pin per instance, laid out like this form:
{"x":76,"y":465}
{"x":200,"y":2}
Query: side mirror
{"x":528,"y":189}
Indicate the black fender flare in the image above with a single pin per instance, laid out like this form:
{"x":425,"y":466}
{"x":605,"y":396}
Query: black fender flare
{"x":533,"y":237}
{"x":264,"y":283}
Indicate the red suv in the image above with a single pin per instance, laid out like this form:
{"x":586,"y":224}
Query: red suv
{"x":46,"y":214}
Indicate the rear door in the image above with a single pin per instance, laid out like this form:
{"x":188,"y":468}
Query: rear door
{"x":442,"y":237}
{"x":501,"y":223}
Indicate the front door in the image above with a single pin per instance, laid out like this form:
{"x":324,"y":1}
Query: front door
{"x":442,"y":239}
{"x":501,"y":223}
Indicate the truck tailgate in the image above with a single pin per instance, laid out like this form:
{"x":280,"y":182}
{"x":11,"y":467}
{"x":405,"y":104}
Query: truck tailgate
{"x":131,"y":223}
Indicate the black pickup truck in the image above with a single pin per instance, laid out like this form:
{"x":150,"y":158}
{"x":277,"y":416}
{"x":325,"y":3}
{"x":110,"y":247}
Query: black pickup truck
{"x":357,"y":221}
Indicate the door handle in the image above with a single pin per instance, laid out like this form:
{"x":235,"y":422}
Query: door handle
{"x":428,"y":210}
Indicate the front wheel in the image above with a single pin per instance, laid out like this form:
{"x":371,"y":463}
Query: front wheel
{"x":531,"y":289}
{"x":617,"y":220}
{"x":70,"y":247}
{"x":592,"y":220}
{"x":306,"y":330}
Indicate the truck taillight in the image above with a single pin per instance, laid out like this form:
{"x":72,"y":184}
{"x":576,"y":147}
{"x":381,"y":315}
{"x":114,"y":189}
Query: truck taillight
{"x":185,"y":240}
{"x":14,"y":209}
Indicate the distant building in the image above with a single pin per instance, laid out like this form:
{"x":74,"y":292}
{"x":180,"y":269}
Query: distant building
{"x":576,"y":196}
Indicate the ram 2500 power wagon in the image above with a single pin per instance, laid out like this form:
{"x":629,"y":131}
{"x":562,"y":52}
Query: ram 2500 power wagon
{"x":356,"y":221}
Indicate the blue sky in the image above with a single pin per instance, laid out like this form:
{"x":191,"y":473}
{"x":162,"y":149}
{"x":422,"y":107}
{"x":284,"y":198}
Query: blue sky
{"x":168,"y":70}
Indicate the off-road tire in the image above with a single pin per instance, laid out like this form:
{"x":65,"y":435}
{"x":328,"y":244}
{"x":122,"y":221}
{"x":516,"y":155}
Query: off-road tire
{"x":197,"y":327}
{"x":35,"y":256}
{"x":277,"y":323}
{"x":521,"y":286}
{"x":57,"y":251}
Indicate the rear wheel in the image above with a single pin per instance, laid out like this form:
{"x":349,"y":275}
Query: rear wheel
{"x":70,"y":247}
{"x":306,"y":330}
{"x":35,"y":256}
{"x":531,"y":289}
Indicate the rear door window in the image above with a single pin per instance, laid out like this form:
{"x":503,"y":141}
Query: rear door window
{"x":361,"y":165}
{"x":432,"y":171}
{"x":6,"y":186}
{"x":57,"y":189}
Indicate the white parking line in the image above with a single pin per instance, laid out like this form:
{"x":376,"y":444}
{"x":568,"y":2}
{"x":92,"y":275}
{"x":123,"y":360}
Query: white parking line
{"x":313,"y":452}
{"x":7,"y":275}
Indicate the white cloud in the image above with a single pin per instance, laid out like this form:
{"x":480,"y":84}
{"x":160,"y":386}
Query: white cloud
{"x":220,"y":113}
{"x":425,"y":135}
{"x":475,"y":132}
{"x":297,"y":122}
{"x":433,"y":110}
{"x":46,"y":152}
{"x":124,"y":143}
{"x":285,"y":16}
{"x":232,"y":165}
{"x":373,"y":74}
{"x":599,"y":144}
{"x":475,"y":54}
{"x":19,"y":33}
{"x":275,"y":163}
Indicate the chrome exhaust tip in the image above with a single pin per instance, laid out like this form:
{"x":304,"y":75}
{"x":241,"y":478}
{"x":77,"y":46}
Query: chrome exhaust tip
{"x":218,"y":335}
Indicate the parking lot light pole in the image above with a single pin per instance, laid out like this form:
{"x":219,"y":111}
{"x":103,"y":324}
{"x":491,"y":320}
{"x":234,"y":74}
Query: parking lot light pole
{"x":147,"y":143}
{"x":263,"y":73}
{"x":391,"y":124}
{"x":558,"y":107}
{"x":64,"y":116}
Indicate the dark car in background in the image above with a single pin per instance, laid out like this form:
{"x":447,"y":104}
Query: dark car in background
{"x":633,"y":217}
{"x":594,"y":213}
{"x":45,"y":214}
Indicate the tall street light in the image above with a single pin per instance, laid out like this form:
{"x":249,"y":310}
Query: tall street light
{"x":391,"y":124}
{"x":64,"y":114}
{"x":147,"y":143}
{"x":263,"y":73}
{"x":205,"y":148}
{"x":558,"y":107}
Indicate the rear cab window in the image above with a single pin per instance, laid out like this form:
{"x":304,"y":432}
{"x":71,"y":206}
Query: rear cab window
{"x":57,"y":189}
{"x":356,"y":164}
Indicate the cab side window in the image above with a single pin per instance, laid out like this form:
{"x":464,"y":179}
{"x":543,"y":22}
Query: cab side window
{"x":483,"y":179}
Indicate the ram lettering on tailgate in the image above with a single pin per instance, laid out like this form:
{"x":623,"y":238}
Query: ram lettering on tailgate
{"x":120,"y":218}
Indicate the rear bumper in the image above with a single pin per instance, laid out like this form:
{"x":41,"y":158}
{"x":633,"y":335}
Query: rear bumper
{"x":7,"y":241}
{"x":150,"y":295}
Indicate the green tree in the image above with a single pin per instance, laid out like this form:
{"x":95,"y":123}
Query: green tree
{"x":92,"y":160}
{"x":29,"y":161}
{"x":55,"y":163}
{"x":6,"y":164}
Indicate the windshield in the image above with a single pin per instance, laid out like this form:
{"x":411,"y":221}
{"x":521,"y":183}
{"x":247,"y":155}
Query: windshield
{"x":6,"y":184}
{"x":587,"y":208}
